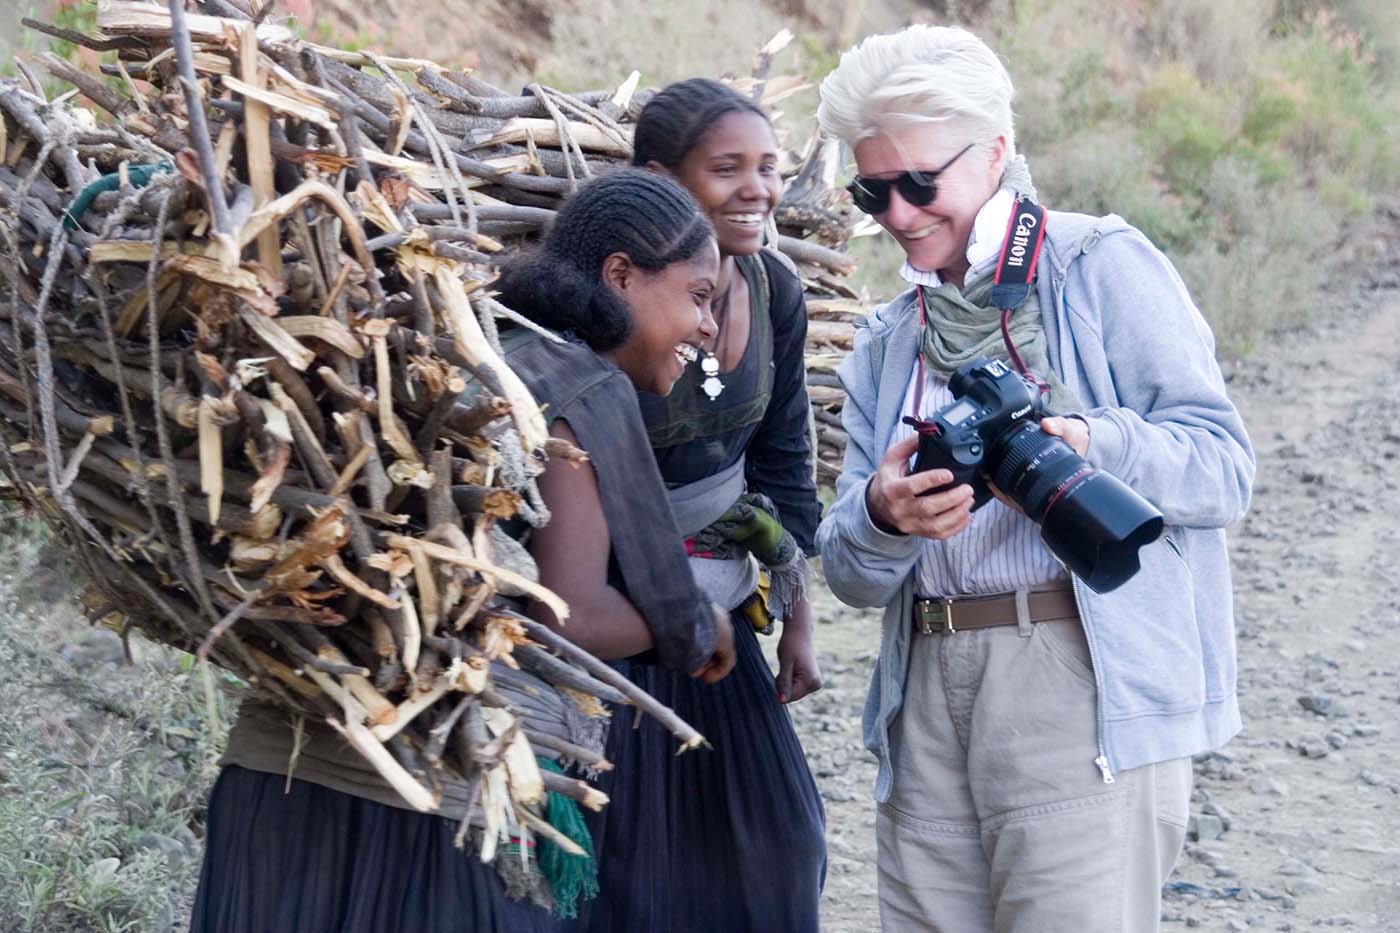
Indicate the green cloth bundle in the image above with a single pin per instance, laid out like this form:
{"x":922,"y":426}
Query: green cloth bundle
{"x":568,"y":876}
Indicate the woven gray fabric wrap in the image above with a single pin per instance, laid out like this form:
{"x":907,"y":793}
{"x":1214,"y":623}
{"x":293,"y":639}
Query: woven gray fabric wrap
{"x":700,"y":504}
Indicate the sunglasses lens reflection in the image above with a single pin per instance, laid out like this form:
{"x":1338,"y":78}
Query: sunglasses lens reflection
{"x":871,"y":195}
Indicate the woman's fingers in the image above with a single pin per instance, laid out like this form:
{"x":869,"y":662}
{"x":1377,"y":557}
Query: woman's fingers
{"x":784,"y":678}
{"x":939,"y":515}
{"x":881,"y":493}
{"x":1073,"y":431}
{"x":916,"y":484}
{"x":723,"y":656}
{"x":902,"y":501}
{"x":897,"y":457}
{"x":805,"y":683}
{"x":798,"y":673}
{"x":944,"y":523}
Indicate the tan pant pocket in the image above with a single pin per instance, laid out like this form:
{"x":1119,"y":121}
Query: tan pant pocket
{"x":1065,"y":640}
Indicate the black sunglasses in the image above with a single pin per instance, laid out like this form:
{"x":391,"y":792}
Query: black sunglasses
{"x":872,"y":195}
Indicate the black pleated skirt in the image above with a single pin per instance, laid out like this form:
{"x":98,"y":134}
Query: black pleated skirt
{"x":320,"y":861}
{"x":730,"y":839}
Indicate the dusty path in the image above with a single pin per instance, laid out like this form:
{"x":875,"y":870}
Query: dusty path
{"x":1299,"y":817}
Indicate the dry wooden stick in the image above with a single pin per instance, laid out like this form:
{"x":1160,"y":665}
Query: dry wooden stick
{"x":256,"y":139}
{"x":563,"y":674}
{"x":568,"y":750}
{"x":471,"y":343}
{"x":591,"y":797}
{"x":644,"y":701}
{"x":363,"y":741}
{"x":211,"y":457}
{"x":182,"y":519}
{"x":546,"y":829}
{"x":194,"y":106}
{"x":454,"y":556}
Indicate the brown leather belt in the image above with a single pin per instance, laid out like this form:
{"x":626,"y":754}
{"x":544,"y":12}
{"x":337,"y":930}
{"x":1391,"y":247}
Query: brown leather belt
{"x":1051,"y":603}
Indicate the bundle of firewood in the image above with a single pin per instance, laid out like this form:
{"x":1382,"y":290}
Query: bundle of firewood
{"x":249,"y":371}
{"x":483,"y":170}
{"x":830,"y":333}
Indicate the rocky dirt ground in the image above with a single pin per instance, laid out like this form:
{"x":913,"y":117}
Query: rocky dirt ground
{"x":1296,"y":823}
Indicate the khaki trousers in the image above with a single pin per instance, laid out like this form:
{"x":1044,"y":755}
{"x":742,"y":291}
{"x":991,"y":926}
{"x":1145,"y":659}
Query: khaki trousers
{"x":999,"y":819}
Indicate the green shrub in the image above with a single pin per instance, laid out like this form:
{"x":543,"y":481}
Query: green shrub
{"x":1104,"y":171}
{"x":1184,"y":126}
{"x":1216,"y":41}
{"x":1347,"y":119}
{"x":1269,"y":111}
{"x":1259,"y":264}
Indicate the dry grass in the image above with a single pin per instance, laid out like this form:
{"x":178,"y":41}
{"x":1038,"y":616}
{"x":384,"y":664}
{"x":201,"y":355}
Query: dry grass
{"x":105,"y":766}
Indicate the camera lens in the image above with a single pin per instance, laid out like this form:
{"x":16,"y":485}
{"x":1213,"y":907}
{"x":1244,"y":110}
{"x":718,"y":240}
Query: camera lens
{"x":1090,"y":520}
{"x":1032,"y":467}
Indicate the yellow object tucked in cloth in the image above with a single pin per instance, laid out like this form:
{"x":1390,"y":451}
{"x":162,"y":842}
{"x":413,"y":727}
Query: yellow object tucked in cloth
{"x":755,"y":608}
{"x":751,"y":527}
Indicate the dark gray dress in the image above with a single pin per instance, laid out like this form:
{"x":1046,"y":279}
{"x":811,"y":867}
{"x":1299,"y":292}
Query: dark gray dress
{"x":732,"y":838}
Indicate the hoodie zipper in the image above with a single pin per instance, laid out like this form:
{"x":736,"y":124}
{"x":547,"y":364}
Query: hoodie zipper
{"x":1101,"y":762}
{"x":1057,"y":292}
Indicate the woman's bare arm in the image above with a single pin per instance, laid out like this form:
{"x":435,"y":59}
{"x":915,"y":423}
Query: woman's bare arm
{"x":572,"y":552}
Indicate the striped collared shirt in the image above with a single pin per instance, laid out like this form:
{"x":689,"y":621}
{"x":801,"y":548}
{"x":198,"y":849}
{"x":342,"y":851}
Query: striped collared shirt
{"x":1001,"y":550}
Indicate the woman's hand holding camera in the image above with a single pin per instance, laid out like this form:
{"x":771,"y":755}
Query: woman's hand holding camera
{"x":1073,"y":431}
{"x":897,"y":504}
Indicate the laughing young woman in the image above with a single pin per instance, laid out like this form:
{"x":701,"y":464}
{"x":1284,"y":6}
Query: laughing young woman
{"x":730,"y":840}
{"x":626,"y":274}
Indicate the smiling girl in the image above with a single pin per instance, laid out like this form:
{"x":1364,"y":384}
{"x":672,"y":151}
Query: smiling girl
{"x":626,"y":275}
{"x":730,"y":840}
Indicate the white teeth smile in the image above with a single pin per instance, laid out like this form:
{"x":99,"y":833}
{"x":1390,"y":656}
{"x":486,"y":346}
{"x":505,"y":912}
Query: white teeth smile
{"x":686,"y":354}
{"x":926,"y":231}
{"x":754,"y":219}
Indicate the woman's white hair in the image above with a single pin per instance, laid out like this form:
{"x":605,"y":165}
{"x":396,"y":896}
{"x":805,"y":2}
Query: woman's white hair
{"x":919,"y":75}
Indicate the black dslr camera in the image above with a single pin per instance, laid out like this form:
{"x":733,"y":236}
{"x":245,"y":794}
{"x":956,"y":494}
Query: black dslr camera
{"x":1088,"y":519}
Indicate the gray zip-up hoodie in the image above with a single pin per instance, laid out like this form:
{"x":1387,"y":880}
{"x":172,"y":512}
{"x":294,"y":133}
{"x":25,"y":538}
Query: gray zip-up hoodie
{"x":1123,"y":333}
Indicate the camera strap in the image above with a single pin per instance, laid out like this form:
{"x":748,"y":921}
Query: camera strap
{"x":1020,"y":251}
{"x":1015,"y":275}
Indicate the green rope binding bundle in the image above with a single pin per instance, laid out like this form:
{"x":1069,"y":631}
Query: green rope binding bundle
{"x":138,"y":175}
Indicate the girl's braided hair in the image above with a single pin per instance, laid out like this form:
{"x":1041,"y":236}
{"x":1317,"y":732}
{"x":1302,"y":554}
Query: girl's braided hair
{"x":678,"y":117}
{"x":650,"y":219}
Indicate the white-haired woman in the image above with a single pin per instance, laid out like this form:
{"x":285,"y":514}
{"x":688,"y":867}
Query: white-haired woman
{"x":1034,"y":736}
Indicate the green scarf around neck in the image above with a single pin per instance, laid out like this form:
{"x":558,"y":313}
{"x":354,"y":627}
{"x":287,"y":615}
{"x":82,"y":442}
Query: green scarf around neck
{"x":960,"y":326}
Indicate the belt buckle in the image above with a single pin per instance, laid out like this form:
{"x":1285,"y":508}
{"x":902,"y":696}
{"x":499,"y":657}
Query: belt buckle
{"x":930,"y":617}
